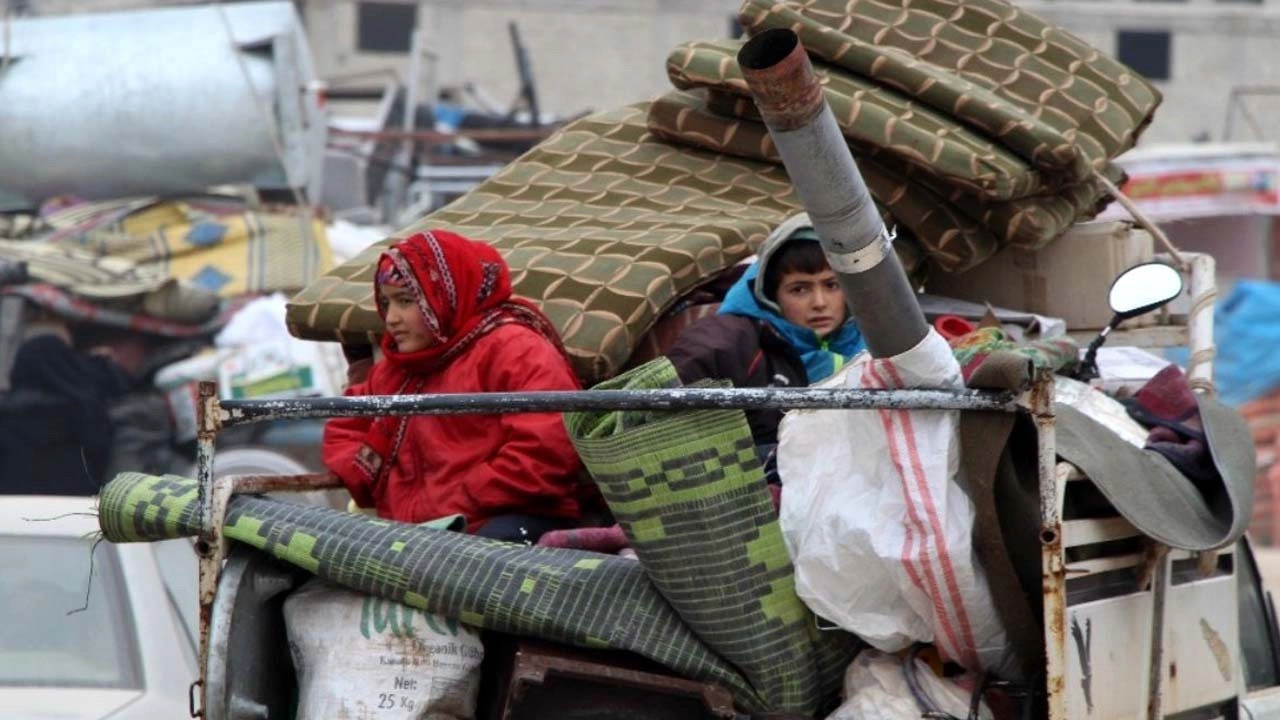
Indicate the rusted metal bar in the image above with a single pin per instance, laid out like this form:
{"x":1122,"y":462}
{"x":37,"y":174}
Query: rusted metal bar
{"x":239,"y":412}
{"x":1155,"y":677}
{"x":816,"y":155}
{"x":253,"y":484}
{"x":207,"y":424}
{"x":1053,"y":577}
{"x":553,"y":681}
{"x":210,"y":535}
{"x":212,"y":546}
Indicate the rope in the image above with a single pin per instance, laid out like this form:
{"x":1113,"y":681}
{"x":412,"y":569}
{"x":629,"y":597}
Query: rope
{"x":1141,"y":218}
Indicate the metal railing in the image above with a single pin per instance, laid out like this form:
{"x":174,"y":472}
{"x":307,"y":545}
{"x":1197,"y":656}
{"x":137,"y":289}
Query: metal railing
{"x":214,"y":415}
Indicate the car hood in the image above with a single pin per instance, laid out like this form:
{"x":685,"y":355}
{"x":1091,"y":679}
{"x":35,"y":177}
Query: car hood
{"x":59,"y":703}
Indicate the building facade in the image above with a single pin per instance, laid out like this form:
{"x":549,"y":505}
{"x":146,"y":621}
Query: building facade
{"x":584,"y":54}
{"x":1216,"y":61}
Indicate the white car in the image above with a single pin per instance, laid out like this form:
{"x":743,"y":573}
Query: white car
{"x":128,"y":653}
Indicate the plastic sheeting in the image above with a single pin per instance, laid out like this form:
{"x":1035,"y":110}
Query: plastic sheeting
{"x":876,"y":688}
{"x":1247,"y":333}
{"x":879,"y":531}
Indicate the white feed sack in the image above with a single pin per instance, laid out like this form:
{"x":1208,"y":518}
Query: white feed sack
{"x":879,"y":530}
{"x":359,"y":656}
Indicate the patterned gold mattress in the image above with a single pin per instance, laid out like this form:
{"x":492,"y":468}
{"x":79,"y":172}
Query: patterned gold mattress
{"x":976,"y":125}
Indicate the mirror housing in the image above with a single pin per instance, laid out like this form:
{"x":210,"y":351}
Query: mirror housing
{"x":1137,"y":291}
{"x":1143,"y":288}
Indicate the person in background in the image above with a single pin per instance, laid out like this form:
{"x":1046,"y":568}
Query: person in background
{"x":55,"y":429}
{"x":143,"y":423}
{"x":784,"y":323}
{"x":453,"y":326}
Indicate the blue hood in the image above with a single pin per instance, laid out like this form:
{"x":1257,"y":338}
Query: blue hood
{"x":821,"y":358}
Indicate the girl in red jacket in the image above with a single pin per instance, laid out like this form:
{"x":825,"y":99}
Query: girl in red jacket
{"x":453,"y":326}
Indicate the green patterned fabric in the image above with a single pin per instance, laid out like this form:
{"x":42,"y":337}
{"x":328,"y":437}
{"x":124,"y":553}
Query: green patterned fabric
{"x":570,"y":596}
{"x":973,"y":348}
{"x":689,"y":491}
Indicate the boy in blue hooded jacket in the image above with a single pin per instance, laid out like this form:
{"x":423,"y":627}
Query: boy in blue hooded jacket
{"x":783,"y":323}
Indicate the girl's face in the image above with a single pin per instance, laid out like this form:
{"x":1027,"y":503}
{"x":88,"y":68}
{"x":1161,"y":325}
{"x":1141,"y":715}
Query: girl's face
{"x":815,"y":301}
{"x":403,"y":321}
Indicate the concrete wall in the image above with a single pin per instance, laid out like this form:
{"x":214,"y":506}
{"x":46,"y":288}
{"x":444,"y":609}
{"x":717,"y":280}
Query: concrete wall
{"x":593,"y":54}
{"x":585,"y":55}
{"x":597,"y":54}
{"x":1216,"y":47}
{"x":1242,"y":246}
{"x":67,"y":7}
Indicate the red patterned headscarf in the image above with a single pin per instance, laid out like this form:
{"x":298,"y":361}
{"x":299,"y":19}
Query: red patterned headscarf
{"x":463,"y":290}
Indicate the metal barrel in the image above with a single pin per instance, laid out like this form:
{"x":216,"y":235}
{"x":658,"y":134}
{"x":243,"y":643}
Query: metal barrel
{"x":827,"y":180}
{"x":157,"y":101}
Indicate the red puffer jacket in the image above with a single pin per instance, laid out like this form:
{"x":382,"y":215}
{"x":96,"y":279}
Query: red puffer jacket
{"x":480,"y":466}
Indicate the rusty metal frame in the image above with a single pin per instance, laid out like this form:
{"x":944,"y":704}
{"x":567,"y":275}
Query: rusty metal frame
{"x":1053,"y":576}
{"x":535,"y":663}
{"x":214,"y":495}
{"x":213,"y":550}
{"x":1155,"y":681}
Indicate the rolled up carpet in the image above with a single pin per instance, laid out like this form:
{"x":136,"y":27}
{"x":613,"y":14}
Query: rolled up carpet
{"x":570,"y":596}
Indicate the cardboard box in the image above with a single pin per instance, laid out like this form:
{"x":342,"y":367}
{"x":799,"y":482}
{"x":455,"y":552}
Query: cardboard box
{"x":1069,"y":278}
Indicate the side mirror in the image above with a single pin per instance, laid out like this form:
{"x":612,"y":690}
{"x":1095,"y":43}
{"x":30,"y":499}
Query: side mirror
{"x":1141,"y":289}
{"x":1138,"y":291}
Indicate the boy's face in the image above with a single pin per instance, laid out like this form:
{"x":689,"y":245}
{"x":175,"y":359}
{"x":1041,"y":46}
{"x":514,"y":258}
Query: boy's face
{"x":404,"y":322}
{"x":812,"y":300}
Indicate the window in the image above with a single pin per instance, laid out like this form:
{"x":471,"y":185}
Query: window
{"x":1146,"y":51}
{"x":385,"y":26}
{"x":50,"y":637}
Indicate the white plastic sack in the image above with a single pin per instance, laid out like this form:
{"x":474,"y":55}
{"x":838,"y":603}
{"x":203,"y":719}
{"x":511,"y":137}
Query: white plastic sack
{"x":346,"y":239}
{"x":875,"y":689}
{"x":260,"y":320}
{"x":878,"y":529}
{"x":365,"y":657}
{"x":259,"y":359}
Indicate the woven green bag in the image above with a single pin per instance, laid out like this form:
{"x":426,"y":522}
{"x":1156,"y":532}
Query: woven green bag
{"x":688,"y":489}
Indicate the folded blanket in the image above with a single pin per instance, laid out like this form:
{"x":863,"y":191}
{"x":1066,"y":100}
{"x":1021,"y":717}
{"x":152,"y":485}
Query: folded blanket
{"x":973,"y":349}
{"x":956,"y":230}
{"x":608,"y":540}
{"x":1167,"y":405}
{"x":1038,"y":90}
{"x":872,"y":116}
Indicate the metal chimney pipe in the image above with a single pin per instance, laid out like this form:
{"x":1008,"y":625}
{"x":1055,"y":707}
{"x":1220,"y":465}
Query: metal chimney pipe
{"x":824,"y":175}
